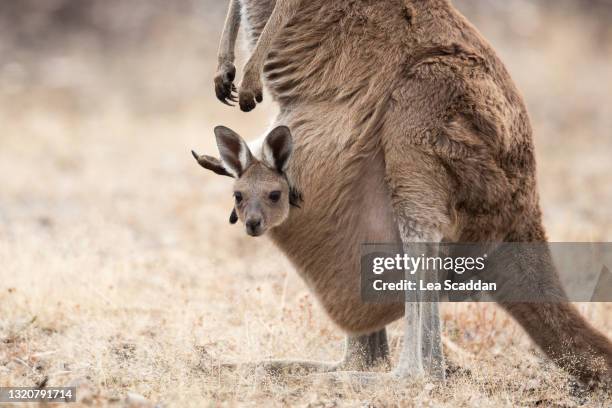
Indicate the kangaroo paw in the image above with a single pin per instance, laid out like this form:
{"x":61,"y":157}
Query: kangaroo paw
{"x":224,"y":83}
{"x":250,"y":92}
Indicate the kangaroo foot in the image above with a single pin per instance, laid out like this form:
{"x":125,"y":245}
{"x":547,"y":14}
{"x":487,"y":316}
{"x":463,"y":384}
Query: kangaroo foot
{"x":370,"y":379}
{"x":362,"y":353}
{"x":284,"y":367}
{"x":354,"y":378}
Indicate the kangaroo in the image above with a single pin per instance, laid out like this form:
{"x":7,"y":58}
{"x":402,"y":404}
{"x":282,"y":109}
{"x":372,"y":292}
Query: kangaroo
{"x":406,"y":128}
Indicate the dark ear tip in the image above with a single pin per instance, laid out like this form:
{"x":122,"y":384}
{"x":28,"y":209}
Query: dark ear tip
{"x":284,"y":130}
{"x":233,"y":217}
{"x":221,"y":131}
{"x":281,"y":133}
{"x":223,"y":134}
{"x":195,"y":155}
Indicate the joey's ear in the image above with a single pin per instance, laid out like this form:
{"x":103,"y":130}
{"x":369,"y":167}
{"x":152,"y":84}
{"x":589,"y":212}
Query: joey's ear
{"x":277,"y":148}
{"x":211,"y":163}
{"x":235,"y":154}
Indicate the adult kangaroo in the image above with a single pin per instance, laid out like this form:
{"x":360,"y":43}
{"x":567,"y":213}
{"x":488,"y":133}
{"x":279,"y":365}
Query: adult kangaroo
{"x":406,"y":128}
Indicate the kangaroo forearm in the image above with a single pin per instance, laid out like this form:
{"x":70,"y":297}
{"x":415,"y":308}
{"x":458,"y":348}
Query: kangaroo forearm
{"x":230,"y":33}
{"x":282,"y":13}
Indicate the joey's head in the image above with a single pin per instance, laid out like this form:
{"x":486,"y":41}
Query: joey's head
{"x":262,"y":191}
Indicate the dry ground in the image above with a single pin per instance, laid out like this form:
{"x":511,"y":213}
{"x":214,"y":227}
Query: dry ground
{"x":120,"y":273}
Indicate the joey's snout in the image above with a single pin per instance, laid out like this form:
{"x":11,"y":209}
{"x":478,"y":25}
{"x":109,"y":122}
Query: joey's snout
{"x":254,"y":226}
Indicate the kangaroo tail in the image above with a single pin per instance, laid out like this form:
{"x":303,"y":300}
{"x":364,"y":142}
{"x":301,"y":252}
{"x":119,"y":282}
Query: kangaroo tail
{"x":553,"y":322}
{"x":567,"y":339}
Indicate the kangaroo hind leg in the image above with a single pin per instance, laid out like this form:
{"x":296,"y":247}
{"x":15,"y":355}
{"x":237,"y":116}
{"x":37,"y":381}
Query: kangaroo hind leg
{"x":361,"y":353}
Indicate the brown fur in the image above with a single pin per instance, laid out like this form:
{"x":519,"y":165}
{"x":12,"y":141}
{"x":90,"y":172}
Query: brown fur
{"x":406,"y":124}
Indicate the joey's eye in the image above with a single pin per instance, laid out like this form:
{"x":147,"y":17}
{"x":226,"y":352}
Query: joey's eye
{"x":275,"y":196}
{"x":238,"y":197}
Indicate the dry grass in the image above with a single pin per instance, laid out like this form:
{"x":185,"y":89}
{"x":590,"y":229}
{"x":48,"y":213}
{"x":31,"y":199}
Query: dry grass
{"x":120,"y":273}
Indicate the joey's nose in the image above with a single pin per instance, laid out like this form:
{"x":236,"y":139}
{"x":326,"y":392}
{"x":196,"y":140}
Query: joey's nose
{"x":253,"y":227}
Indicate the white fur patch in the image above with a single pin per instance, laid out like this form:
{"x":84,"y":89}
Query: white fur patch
{"x":256,"y":146}
{"x":267,"y":155}
{"x":229,"y":169}
{"x":243,"y":156}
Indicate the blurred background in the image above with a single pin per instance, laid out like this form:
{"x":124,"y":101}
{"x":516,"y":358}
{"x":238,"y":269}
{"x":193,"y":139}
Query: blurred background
{"x":117,"y":263}
{"x":95,"y":78}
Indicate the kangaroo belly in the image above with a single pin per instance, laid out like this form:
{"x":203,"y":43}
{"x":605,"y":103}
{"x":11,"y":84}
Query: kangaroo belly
{"x":323,"y":239}
{"x":375,"y":224}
